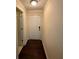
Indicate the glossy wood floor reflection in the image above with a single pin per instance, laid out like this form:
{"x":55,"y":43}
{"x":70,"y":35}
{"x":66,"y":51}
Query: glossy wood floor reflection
{"x":32,"y":50}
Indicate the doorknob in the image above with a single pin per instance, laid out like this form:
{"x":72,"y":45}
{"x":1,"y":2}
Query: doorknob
{"x":39,"y":28}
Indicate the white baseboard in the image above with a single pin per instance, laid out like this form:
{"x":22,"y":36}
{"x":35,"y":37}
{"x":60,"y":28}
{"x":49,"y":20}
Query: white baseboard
{"x":45,"y":50}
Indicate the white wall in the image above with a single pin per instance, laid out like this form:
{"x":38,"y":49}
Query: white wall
{"x":52,"y":34}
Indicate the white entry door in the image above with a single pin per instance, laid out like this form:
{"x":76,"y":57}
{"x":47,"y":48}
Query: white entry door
{"x":34,"y":27}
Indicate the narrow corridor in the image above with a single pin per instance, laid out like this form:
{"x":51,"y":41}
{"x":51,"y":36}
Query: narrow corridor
{"x":32,"y":50}
{"x":39,"y":29}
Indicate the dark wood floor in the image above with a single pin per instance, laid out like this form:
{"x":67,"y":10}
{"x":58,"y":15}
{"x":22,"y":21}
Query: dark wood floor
{"x":32,"y":50}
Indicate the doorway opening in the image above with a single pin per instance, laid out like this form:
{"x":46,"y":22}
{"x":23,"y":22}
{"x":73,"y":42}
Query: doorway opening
{"x":19,"y":28}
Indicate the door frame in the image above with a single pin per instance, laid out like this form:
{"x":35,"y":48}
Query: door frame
{"x":17,"y":25}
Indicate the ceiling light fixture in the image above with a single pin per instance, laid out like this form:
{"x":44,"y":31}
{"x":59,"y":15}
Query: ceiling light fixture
{"x":34,"y":2}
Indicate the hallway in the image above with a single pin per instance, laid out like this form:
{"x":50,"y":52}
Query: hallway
{"x":39,"y":29}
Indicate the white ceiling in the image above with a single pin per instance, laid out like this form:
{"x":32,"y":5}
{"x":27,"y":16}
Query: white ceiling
{"x":40,"y":4}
